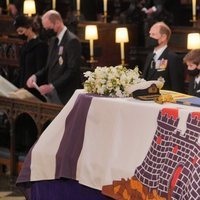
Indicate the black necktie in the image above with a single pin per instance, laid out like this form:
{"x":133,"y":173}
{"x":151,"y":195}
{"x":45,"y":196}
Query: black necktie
{"x":54,"y":51}
{"x":153,"y":63}
{"x":151,"y":67}
{"x":56,"y":43}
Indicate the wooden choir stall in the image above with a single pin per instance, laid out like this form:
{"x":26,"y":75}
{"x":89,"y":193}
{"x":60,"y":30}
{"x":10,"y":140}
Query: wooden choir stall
{"x":25,"y":120}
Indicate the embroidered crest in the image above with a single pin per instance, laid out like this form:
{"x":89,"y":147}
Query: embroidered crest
{"x":60,"y":60}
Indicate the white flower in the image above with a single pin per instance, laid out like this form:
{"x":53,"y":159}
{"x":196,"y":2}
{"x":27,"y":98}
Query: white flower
{"x":87,"y":74}
{"x":112,"y":81}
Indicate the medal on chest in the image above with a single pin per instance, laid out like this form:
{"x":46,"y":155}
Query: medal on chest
{"x":60,"y":60}
{"x":60,"y":53}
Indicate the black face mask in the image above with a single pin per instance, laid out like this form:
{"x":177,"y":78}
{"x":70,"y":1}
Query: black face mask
{"x":49,"y":33}
{"x":152,"y":42}
{"x":193,"y":72}
{"x":22,"y":37}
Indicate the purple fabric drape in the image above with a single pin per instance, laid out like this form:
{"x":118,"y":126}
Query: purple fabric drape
{"x":64,"y":189}
{"x":72,"y":141}
{"x":68,"y":151}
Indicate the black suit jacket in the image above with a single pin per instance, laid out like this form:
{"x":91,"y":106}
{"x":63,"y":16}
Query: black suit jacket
{"x":63,"y":66}
{"x":162,"y":13}
{"x":173,"y":74}
{"x":194,"y":89}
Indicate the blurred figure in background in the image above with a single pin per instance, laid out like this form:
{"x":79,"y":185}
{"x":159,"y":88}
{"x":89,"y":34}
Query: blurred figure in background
{"x":133,"y":14}
{"x":3,"y":7}
{"x":66,"y":10}
{"x":157,"y":10}
{"x":192,"y":60}
{"x":33,"y":55}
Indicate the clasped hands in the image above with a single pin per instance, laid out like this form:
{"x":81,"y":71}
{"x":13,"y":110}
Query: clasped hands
{"x":149,"y":11}
{"x":43,"y":89}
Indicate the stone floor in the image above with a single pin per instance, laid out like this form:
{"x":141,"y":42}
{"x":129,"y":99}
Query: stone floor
{"x":8,"y":190}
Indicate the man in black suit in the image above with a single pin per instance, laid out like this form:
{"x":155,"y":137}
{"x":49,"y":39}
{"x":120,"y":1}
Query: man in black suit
{"x":157,"y":10}
{"x":61,"y":76}
{"x":43,"y":6}
{"x":162,"y":62}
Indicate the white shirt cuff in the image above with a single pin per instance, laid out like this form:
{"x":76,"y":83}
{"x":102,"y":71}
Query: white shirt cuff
{"x":154,"y":9}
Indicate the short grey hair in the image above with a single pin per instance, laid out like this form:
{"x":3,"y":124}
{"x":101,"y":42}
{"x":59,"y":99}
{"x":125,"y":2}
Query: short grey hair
{"x":52,"y":16}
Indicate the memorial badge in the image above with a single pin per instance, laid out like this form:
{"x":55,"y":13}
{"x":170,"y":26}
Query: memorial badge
{"x":60,"y":60}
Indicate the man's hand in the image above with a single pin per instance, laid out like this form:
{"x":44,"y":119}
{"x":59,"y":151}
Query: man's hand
{"x":45,"y":89}
{"x":151,"y":10}
{"x":30,"y":82}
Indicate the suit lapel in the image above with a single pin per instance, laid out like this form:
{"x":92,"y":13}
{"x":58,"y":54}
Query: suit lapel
{"x":164,"y":54}
{"x":54,"y":56}
{"x":147,"y":65}
{"x":65,"y":36}
{"x":54,"y":53}
{"x":147,"y":68}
